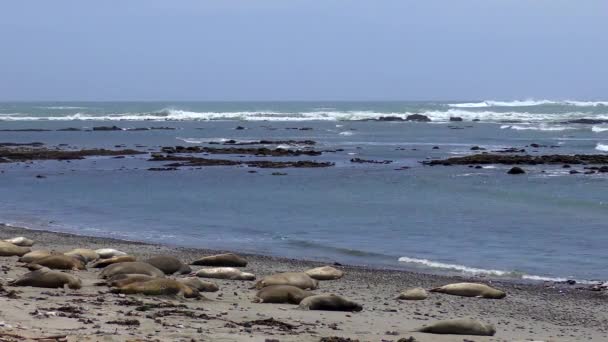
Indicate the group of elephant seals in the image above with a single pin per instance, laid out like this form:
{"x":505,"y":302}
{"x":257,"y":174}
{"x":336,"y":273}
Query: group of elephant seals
{"x":221,"y":260}
{"x":101,"y":263}
{"x":297,"y":279}
{"x":131,"y":267}
{"x":417,"y":293}
{"x":230,"y":273}
{"x":88,"y":254}
{"x":459,"y":327}
{"x":325,"y":273}
{"x":47,"y":278}
{"x":471,"y":290}
{"x":169,"y":264}
{"x":329,"y":302}
{"x":158,"y":287}
{"x":202,"y":286}
{"x":21,"y":241}
{"x":58,"y":262}
{"x":281,"y":294}
{"x":106,"y":253}
{"x":9,"y":249}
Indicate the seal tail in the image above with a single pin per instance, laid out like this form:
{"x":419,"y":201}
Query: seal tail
{"x":436,"y":289}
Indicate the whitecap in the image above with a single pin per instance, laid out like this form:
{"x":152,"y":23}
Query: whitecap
{"x":599,"y":129}
{"x":347,"y":133}
{"x":601,"y":147}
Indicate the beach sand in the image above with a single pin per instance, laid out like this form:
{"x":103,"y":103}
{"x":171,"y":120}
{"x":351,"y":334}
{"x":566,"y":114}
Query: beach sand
{"x":539,"y":312}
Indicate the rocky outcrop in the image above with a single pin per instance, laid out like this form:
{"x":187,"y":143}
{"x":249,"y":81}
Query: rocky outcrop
{"x":262,"y":151}
{"x":489,"y":158}
{"x":418,"y":118}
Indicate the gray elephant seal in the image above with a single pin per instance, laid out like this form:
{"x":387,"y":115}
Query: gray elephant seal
{"x":297,"y":279}
{"x":36,"y":255}
{"x":21,"y":241}
{"x":459,"y":327}
{"x":8,"y":249}
{"x":230,"y":273}
{"x":471,"y":290}
{"x":106,"y":253}
{"x":47,"y":278}
{"x":101,"y":263}
{"x":133,"y":267}
{"x":202,"y":286}
{"x":414,"y":294}
{"x":281,"y":294}
{"x":88,"y":254}
{"x":158,"y":287}
{"x":221,"y":260}
{"x":126,"y":279}
{"x":329,"y":303}
{"x":325,"y":273}
{"x":58,"y":262}
{"x":169,"y":264}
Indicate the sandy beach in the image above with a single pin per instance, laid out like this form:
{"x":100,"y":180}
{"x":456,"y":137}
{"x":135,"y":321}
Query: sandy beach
{"x":539,"y":312}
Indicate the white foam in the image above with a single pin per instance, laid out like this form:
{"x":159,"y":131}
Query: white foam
{"x":599,"y":129}
{"x":346,"y":133}
{"x":527,"y":103}
{"x":541,"y":127}
{"x":601,"y":147}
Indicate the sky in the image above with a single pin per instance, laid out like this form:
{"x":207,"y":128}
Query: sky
{"x":303,"y":50}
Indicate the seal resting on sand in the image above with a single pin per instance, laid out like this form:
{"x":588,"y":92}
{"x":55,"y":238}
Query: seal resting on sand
{"x":281,"y":294}
{"x":45,"y":277}
{"x":57,"y":262}
{"x":169,"y":264}
{"x":471,"y":290}
{"x":21,"y":241}
{"x":417,"y":293}
{"x":297,"y":279}
{"x":329,"y":302}
{"x":131,"y":267}
{"x":224,"y":273}
{"x":126,"y":279}
{"x":202,"y":286}
{"x":36,"y":255}
{"x":221,"y":260}
{"x":88,"y":254}
{"x":325,"y":273}
{"x":113,"y":260}
{"x":106,"y":253}
{"x":158,"y":287}
{"x":459,"y":327}
{"x":8,"y":249}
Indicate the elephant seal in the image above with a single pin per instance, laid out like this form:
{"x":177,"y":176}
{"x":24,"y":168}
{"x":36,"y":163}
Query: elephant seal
{"x":329,"y":302}
{"x":21,"y":241}
{"x":325,"y":273}
{"x":158,"y":287}
{"x":88,"y":254}
{"x":297,"y":279}
{"x":417,"y":293}
{"x":471,"y":290}
{"x":202,"y":286}
{"x":57,"y":262}
{"x":229,"y":273}
{"x":106,"y":253}
{"x":9,"y":249}
{"x":281,"y":294}
{"x":45,"y":277}
{"x":169,"y":264}
{"x":459,"y":327}
{"x":36,"y":255}
{"x":101,"y":263}
{"x":120,"y":280}
{"x":131,"y":267}
{"x":221,"y":260}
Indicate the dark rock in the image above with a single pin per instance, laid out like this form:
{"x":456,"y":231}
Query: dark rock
{"x":566,"y":166}
{"x":40,"y":176}
{"x":365,"y":161}
{"x":162,"y":169}
{"x":265,"y":152}
{"x":488,"y":158}
{"x":603,"y":169}
{"x":479,"y":167}
{"x":28,"y":154}
{"x":516,"y":171}
{"x":69,"y":129}
{"x":240,"y":128}
{"x":107,"y":128}
{"x":390,"y":118}
{"x":435,"y":147}
{"x":477,"y":148}
{"x":476,"y":120}
{"x":587,"y":121}
{"x":266,"y":164}
{"x":455,"y":118}
{"x":418,"y":118}
{"x":573,"y":172}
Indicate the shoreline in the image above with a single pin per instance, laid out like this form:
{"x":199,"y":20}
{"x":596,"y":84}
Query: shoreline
{"x":552,"y":312}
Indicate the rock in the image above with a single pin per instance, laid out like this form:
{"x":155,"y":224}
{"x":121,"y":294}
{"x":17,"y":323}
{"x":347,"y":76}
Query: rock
{"x":418,"y":118}
{"x":516,"y":171}
{"x":107,"y":128}
{"x":573,"y":172}
{"x":390,"y":118}
{"x":417,"y":293}
{"x":477,"y":148}
{"x":455,"y":118}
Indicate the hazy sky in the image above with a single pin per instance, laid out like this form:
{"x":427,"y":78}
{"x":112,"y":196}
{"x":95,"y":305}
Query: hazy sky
{"x":303,"y":49}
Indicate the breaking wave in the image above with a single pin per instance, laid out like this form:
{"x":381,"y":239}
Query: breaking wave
{"x":601,"y":147}
{"x":528,"y":103}
{"x":599,"y":129}
{"x":536,"y":128}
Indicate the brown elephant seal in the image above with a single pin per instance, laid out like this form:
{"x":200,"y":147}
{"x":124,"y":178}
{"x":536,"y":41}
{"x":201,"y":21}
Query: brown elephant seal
{"x":329,"y":302}
{"x":221,"y":260}
{"x":202,"y":286}
{"x":131,"y":267}
{"x":47,"y":278}
{"x":325,"y":273}
{"x":297,"y":279}
{"x":106,"y":253}
{"x":459,"y":327}
{"x":58,"y":262}
{"x":417,"y":293}
{"x":101,"y":263}
{"x":158,"y":287}
{"x":229,"y":273}
{"x":281,"y":294}
{"x":88,"y":254}
{"x":21,"y":241}
{"x":8,"y":249}
{"x":36,"y":255}
{"x":169,"y":264}
{"x":471,"y":290}
{"x":126,"y":279}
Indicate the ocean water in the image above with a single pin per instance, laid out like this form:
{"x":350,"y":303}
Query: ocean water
{"x":546,"y":224}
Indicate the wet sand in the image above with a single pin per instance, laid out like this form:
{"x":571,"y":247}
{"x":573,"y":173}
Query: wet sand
{"x":540,"y":312}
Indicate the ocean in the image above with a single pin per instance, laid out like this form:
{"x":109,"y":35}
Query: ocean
{"x":548,"y":224}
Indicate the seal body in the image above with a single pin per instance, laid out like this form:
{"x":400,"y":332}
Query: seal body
{"x":105,"y":253}
{"x":169,"y":264}
{"x":131,"y":267}
{"x":414,"y":294}
{"x":222,"y":260}
{"x":471,"y":290}
{"x":9,"y":249}
{"x":202,"y":286}
{"x":88,"y":254}
{"x":281,"y":294}
{"x":21,"y":241}
{"x":58,"y":262}
{"x":47,"y":278}
{"x":459,"y":327}
{"x":329,"y":303}
{"x":325,"y":273}
{"x":113,"y":260}
{"x":230,"y":273}
{"x":36,"y":255}
{"x":120,"y":280}
{"x":158,"y":287}
{"x":297,"y":279}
